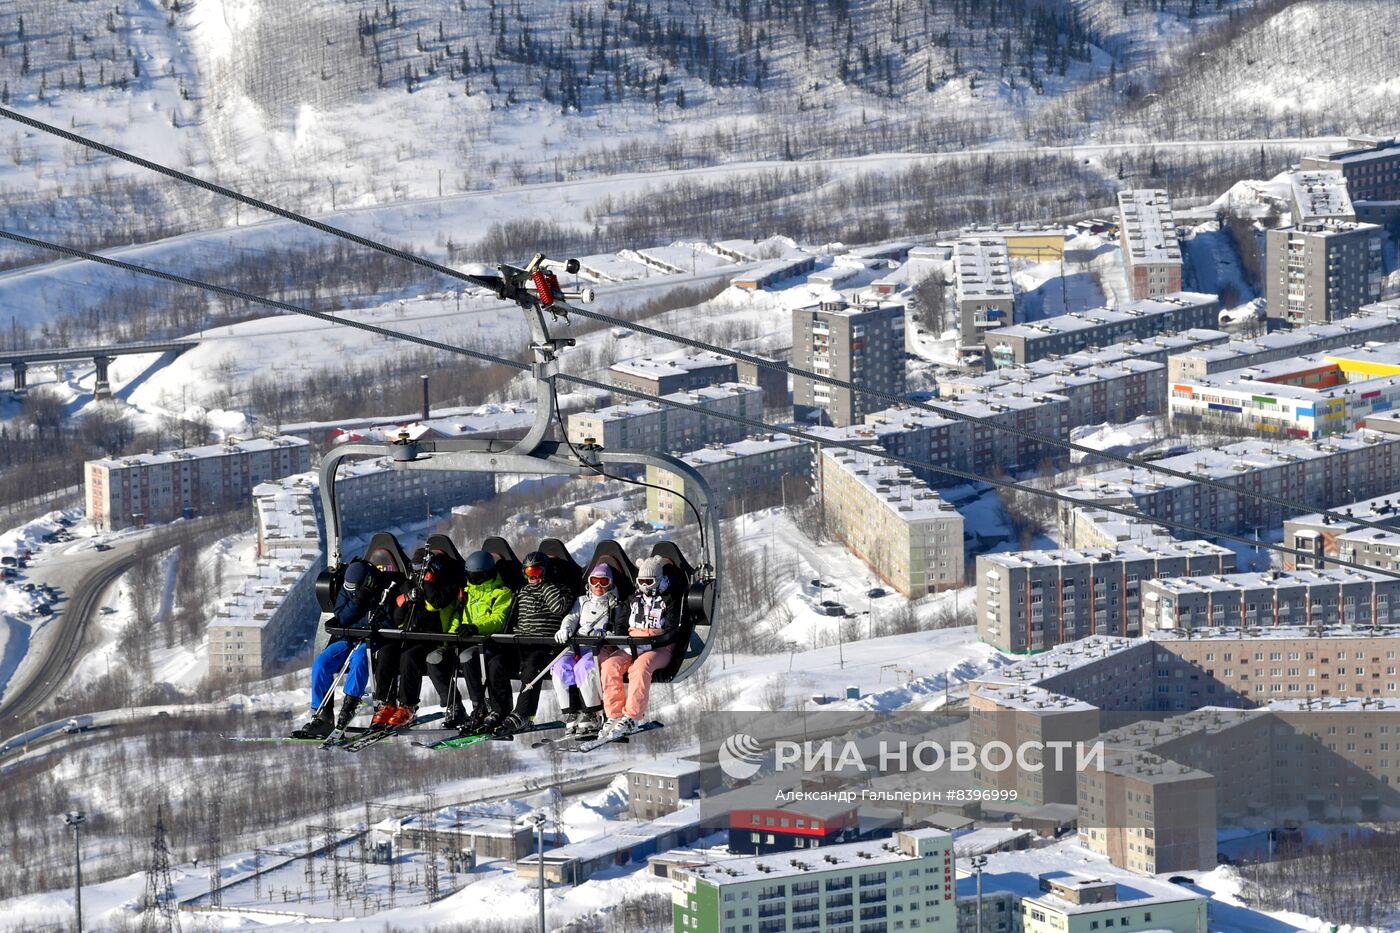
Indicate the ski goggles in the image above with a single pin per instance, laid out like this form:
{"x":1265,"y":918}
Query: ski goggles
{"x":534,"y":573}
{"x":646,"y":581}
{"x":480,"y":576}
{"x":600,"y":582}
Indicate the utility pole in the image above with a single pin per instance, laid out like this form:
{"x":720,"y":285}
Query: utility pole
{"x":978,"y":863}
{"x":76,"y":819}
{"x":538,"y":819}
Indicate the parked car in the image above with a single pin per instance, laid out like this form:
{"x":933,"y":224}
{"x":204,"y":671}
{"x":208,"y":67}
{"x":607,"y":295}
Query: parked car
{"x":102,"y":546}
{"x":9,"y":560}
{"x":875,"y":592}
{"x":44,"y":609}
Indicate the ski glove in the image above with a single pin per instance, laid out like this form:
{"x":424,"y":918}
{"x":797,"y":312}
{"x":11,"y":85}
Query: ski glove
{"x":467,"y":628}
{"x":567,"y":629}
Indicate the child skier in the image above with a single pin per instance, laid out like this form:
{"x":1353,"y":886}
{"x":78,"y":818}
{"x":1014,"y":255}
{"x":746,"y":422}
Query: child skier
{"x":484,"y":609}
{"x":653,"y":611}
{"x":362,"y":591}
{"x":576,"y":681}
{"x":540,"y":607}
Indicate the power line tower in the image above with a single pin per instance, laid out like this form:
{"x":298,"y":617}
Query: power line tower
{"x":159,"y":913}
{"x":215,"y":854}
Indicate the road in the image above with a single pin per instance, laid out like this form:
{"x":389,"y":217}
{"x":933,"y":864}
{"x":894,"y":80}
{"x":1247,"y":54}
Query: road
{"x":81,"y":574}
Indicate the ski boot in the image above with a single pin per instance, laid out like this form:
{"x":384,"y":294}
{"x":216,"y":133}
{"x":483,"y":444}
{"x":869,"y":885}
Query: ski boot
{"x":588,"y":724}
{"x":510,"y":725}
{"x":456,"y":717}
{"x":383,"y":714}
{"x":320,"y":725}
{"x":404,"y":717}
{"x":348,"y":708}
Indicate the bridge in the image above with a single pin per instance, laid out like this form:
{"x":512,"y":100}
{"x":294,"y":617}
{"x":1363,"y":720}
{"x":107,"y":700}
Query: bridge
{"x":19,"y":361}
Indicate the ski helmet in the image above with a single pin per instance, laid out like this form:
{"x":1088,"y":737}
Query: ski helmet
{"x":359,"y":582}
{"x":651,"y":576}
{"x":481,"y":567}
{"x":538,"y":561}
{"x":600,"y":579}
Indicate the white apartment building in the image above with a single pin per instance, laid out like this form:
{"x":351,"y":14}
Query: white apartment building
{"x":1151,"y":251}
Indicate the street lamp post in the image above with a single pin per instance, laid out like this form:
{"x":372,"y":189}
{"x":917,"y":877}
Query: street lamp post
{"x":979,"y":862}
{"x":538,"y":819}
{"x":76,"y":819}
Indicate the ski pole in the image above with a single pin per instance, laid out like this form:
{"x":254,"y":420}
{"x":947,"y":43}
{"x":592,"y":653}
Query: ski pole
{"x":545,"y":669}
{"x":330,"y":694}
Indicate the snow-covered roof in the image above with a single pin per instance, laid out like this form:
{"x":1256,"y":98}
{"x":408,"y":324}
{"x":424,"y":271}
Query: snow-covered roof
{"x":1331,"y":228}
{"x":1019,"y":873}
{"x":988,"y":839}
{"x":673,"y":364}
{"x":698,"y":396}
{"x":1148,"y":229}
{"x":982,"y":268}
{"x":1060,"y":660}
{"x":1086,"y":320}
{"x":840,"y":857}
{"x":1062,"y":557}
{"x":672,"y":767}
{"x":229,"y":447}
{"x":895,"y":487}
{"x":1231,"y":633}
{"x":1149,"y":768}
{"x":750,"y":446}
{"x":1320,"y":193}
{"x":1369,"y":319}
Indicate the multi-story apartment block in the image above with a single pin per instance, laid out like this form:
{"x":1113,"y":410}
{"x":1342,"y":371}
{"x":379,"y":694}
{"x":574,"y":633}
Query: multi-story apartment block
{"x":1023,"y":240}
{"x":1370,"y":165}
{"x":777,"y":402}
{"x":1321,"y":270}
{"x":838,"y":889}
{"x":1308,"y":474}
{"x":146,"y":488}
{"x":664,"y":785}
{"x":1319,"y":195}
{"x":1151,"y":251}
{"x":1378,"y":322}
{"x":1320,"y":535}
{"x":1017,"y":900}
{"x":678,"y":372}
{"x":1272,"y":598}
{"x":372,"y":495}
{"x":1116,"y":392}
{"x":985,"y":294}
{"x":657,"y":426}
{"x":1033,"y":600}
{"x":888,"y":518}
{"x":1086,"y":527}
{"x":1019,"y":344}
{"x":1148,"y":814}
{"x":1325,"y":659}
{"x":862,"y":344}
{"x":1307,"y":396}
{"x":754,"y":473}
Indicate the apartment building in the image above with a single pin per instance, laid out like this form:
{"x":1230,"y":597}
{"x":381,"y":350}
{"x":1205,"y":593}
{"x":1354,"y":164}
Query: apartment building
{"x":777,"y":401}
{"x":983,"y":289}
{"x":1379,"y":322}
{"x":1038,"y":243}
{"x":1307,"y":474}
{"x":1320,"y":535}
{"x":1147,"y":813}
{"x":759,"y":471}
{"x":890,"y":519}
{"x":664,"y":785}
{"x":1033,"y":600}
{"x":1370,"y":165}
{"x":1151,"y":251}
{"x":908,"y":879}
{"x":374,"y":494}
{"x":149,"y":488}
{"x":647,"y":425}
{"x":1018,"y":897}
{"x":1273,"y":598}
{"x":1321,"y":270}
{"x":1086,"y":527}
{"x":1307,"y":396}
{"x":675,"y":372}
{"x":1319,"y":195}
{"x":770,"y":273}
{"x":1142,"y":319}
{"x":861,"y":344}
{"x":1097,"y":393}
{"x":785,"y":826}
{"x":256,"y":628}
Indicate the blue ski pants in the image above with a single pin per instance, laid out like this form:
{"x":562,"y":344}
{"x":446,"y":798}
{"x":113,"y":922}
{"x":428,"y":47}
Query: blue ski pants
{"x":327,"y":665}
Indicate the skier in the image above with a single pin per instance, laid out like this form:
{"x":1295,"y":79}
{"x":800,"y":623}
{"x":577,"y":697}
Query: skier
{"x":575,"y":675}
{"x":653,"y":611}
{"x":540,"y":607}
{"x":440,"y":592}
{"x":407,"y":614}
{"x":483,"y":610}
{"x":363,"y":590}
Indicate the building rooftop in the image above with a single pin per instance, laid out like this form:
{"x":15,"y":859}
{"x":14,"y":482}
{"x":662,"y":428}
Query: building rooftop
{"x":287,"y":510}
{"x":1330,"y":228}
{"x":1320,"y":193}
{"x":1060,"y":660}
{"x":1335,"y":705}
{"x":1122,"y":528}
{"x":1384,"y":508}
{"x":988,"y":839}
{"x":1370,"y":318}
{"x":230,"y":446}
{"x":1149,"y":768}
{"x":1036,"y":699}
{"x":750,"y":446}
{"x":673,"y":364}
{"x":893,"y":484}
{"x":1019,"y":873}
{"x":672,"y":767}
{"x":982,"y":268}
{"x":1269,"y":580}
{"x":1061,"y":557}
{"x":844,"y":856}
{"x":1234,"y":633}
{"x":1077,"y":321}
{"x":688,"y":397}
{"x":1148,"y":229}
{"x":1218,"y":463}
{"x":1148,"y":734}
{"x":1369,"y":151}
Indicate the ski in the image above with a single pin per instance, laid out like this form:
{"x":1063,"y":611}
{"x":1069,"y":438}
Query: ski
{"x":476,"y":738}
{"x":282,"y":738}
{"x":600,"y":742}
{"x":375,"y":736}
